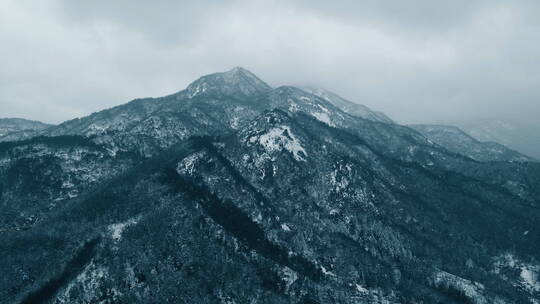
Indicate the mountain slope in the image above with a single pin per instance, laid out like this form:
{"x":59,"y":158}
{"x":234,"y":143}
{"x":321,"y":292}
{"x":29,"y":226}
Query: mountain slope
{"x":41,"y":174}
{"x":17,"y":128}
{"x":455,"y":140}
{"x":294,"y":210}
{"x":349,"y":106}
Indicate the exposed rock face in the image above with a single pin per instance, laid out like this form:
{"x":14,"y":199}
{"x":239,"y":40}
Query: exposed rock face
{"x":234,"y":192}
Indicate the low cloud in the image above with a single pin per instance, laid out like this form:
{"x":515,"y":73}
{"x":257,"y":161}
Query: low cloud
{"x":417,"y":61}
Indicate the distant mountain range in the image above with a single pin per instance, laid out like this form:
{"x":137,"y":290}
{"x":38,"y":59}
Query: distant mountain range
{"x":232,"y":191}
{"x":18,"y":128}
{"x":520,"y":136}
{"x":455,"y":140}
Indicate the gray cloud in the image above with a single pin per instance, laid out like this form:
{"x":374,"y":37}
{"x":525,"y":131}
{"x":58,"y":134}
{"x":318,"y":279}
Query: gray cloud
{"x":417,"y":61}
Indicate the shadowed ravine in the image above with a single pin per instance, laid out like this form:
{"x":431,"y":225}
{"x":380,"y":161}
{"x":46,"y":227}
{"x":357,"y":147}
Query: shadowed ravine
{"x":72,"y":269}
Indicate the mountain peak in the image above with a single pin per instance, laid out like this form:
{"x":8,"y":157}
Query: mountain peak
{"x":239,"y":69}
{"x":237,"y":82}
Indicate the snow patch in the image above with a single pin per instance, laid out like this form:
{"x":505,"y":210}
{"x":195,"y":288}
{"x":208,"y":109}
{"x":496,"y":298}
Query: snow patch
{"x":117,"y":229}
{"x":506,"y":260}
{"x":187,"y":165}
{"x":279,"y":138}
{"x":529,"y":274}
{"x":530,"y":278}
{"x":285,"y":227}
{"x":325,"y":110}
{"x":472,"y":290}
{"x":293,"y":107}
{"x":95,"y":129}
{"x":340,"y":177}
{"x":289,"y":276}
{"x":199,"y":89}
{"x":89,"y":286}
{"x":73,"y":194}
{"x":67,"y":185}
{"x":324,"y":118}
{"x":361,"y":289}
{"x":235,"y":122}
{"x":327,"y":272}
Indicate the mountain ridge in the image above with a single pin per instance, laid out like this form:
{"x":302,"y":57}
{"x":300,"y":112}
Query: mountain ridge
{"x":349,"y":106}
{"x":20,"y":128}
{"x":458,"y":141}
{"x":518,"y":135}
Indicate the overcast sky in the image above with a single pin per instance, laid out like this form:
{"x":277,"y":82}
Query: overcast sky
{"x":417,"y":61}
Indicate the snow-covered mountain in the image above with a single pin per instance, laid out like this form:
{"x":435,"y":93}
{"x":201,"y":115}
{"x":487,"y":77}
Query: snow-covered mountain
{"x":231,"y":191}
{"x":455,"y":140}
{"x":212,"y":104}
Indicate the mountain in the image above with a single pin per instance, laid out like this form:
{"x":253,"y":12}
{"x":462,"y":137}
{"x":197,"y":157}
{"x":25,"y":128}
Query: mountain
{"x":18,"y":128}
{"x":521,"y":136}
{"x":455,"y":140}
{"x":244,"y":193}
{"x":349,"y":106}
{"x":237,"y":82}
{"x":212,"y":104}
